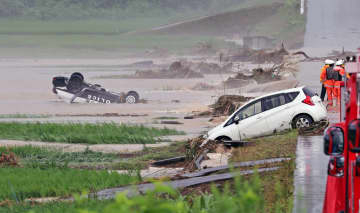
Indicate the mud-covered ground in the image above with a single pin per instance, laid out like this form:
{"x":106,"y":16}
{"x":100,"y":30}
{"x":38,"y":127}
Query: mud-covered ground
{"x":26,"y":89}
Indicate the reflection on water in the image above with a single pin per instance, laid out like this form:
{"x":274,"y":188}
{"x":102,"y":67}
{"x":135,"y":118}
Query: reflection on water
{"x":310,"y":174}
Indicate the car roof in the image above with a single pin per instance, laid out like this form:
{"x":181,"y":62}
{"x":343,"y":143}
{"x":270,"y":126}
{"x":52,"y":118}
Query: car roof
{"x":297,"y":89}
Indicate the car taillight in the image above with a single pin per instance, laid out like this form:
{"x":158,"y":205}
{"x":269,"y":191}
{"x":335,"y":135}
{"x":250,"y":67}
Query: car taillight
{"x":308,"y":101}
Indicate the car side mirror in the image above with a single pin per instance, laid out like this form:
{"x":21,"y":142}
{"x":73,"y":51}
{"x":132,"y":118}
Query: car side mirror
{"x":354,"y":136}
{"x":334,"y":141}
{"x":237,"y":118}
{"x":336,"y":166}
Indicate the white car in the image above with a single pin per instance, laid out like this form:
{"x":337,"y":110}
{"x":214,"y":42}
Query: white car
{"x":292,"y":108}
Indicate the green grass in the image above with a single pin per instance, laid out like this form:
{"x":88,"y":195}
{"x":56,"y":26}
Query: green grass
{"x":5,"y":116}
{"x":124,"y":43}
{"x":56,"y":207}
{"x":102,"y":133}
{"x":43,"y":157}
{"x":21,"y":183}
{"x":278,"y":188}
{"x":38,"y":157}
{"x":276,"y":146}
{"x":142,"y":160}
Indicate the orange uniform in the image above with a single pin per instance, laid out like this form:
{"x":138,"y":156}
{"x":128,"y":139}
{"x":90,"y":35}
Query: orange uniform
{"x":327,"y":78}
{"x":340,"y":73}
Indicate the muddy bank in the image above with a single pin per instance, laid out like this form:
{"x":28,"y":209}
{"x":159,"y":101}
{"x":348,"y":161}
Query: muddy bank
{"x":256,"y":56}
{"x":175,"y":70}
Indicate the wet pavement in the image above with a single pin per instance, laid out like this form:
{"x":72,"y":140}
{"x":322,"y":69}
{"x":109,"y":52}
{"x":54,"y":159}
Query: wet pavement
{"x":331,"y":25}
{"x":310,"y":174}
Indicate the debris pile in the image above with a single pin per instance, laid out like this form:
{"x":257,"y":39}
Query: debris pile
{"x":176,"y":70}
{"x":227,"y":104}
{"x":257,"y":56}
{"x":212,"y":68}
{"x":317,"y":128}
{"x":196,"y":151}
{"x":8,"y":159}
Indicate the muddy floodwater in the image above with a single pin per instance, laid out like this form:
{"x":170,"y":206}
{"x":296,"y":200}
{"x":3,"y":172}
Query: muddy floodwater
{"x":26,"y":88}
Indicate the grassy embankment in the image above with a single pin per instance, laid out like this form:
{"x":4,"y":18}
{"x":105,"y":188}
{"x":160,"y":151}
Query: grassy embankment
{"x":273,"y":192}
{"x":278,"y":186}
{"x":99,"y":37}
{"x":105,"y":133}
{"x":287,"y":25}
{"x":121,"y":36}
{"x":20,"y":183}
{"x":42,"y":157}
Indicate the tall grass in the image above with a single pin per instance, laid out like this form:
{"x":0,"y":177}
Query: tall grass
{"x":20,"y":183}
{"x":30,"y":155}
{"x":56,"y":207}
{"x":101,"y":133}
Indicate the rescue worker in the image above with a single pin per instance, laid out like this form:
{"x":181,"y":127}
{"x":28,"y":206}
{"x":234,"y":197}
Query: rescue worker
{"x":340,"y":75}
{"x":323,"y":89}
{"x":327,"y":78}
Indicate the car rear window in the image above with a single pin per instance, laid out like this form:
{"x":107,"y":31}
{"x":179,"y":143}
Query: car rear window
{"x":308,"y":92}
{"x":291,"y":96}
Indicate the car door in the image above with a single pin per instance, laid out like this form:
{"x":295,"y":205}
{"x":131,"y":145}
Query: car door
{"x":276,"y":113}
{"x":251,"y":122}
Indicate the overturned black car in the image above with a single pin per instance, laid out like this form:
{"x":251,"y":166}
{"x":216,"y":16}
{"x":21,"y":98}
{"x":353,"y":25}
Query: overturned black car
{"x":76,"y":90}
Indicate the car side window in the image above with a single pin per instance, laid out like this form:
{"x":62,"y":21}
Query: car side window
{"x":250,"y":110}
{"x":274,"y":101}
{"x":247,"y":111}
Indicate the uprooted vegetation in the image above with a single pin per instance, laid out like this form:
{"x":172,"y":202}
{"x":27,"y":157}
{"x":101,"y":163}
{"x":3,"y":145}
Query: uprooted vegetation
{"x":227,"y":104}
{"x":257,"y":56}
{"x":209,"y":67}
{"x":176,"y":70}
{"x":259,"y":75}
{"x":8,"y":159}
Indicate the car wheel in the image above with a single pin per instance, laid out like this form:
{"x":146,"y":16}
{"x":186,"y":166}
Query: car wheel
{"x":223,"y":138}
{"x":75,"y":84}
{"x":302,"y":121}
{"x":132,"y":97}
{"x":77,"y":74}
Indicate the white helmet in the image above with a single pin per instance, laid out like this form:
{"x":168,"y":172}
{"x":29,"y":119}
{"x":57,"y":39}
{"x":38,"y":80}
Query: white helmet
{"x":328,"y":61}
{"x":339,"y":62}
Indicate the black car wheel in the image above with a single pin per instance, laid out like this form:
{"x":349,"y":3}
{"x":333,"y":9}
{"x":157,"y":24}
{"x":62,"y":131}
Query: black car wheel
{"x":223,"y":138}
{"x":302,"y":121}
{"x":77,"y":74}
{"x":132,"y":97}
{"x":75,"y":84}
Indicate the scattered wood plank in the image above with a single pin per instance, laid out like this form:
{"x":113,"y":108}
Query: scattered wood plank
{"x":235,"y":165}
{"x":169,"y":161}
{"x":142,"y":188}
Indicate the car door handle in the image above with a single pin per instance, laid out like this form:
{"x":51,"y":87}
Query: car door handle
{"x":258,"y":118}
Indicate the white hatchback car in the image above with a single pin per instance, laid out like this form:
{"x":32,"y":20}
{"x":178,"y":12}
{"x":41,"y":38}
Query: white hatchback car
{"x":292,"y":108}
